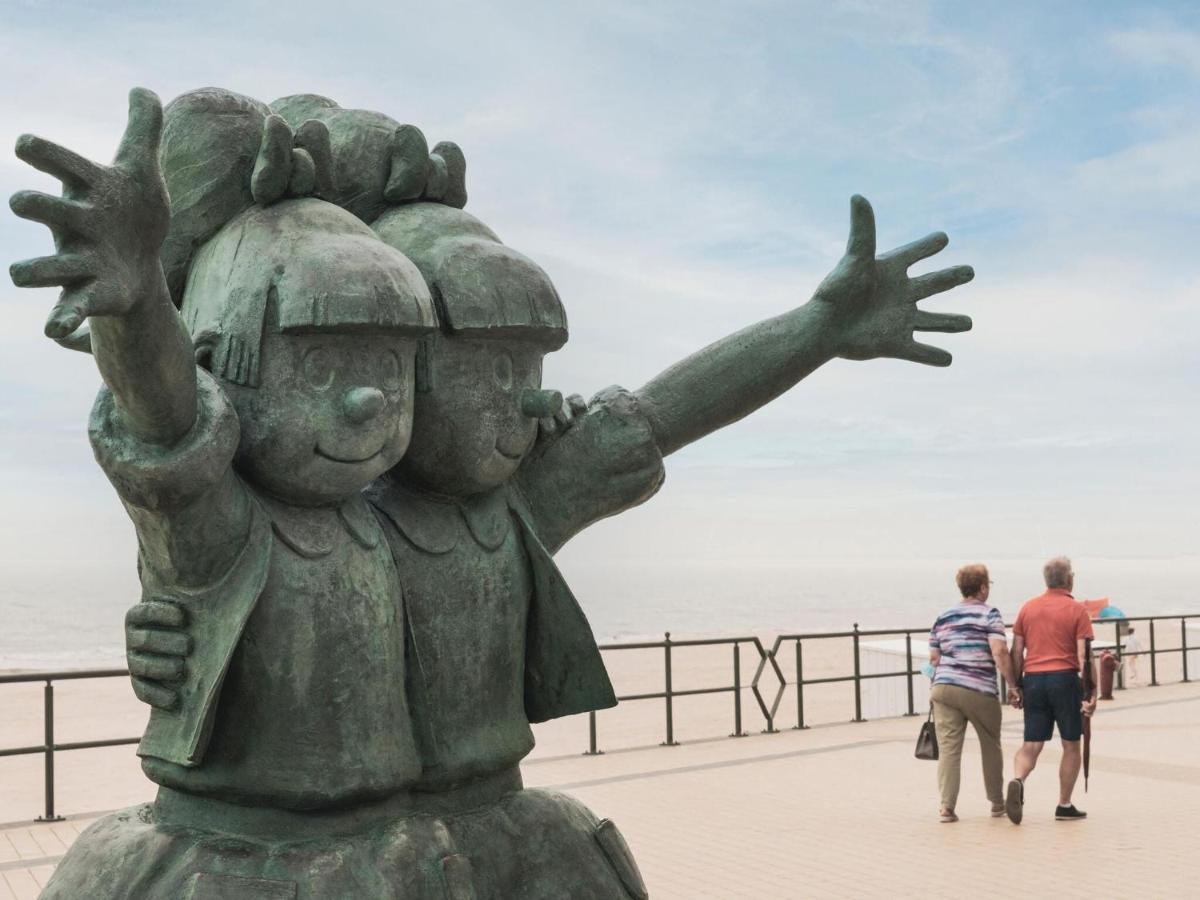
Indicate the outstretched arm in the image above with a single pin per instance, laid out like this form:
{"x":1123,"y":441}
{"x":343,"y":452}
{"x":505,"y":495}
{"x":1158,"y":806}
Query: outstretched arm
{"x":865,"y":308}
{"x":108,"y":227}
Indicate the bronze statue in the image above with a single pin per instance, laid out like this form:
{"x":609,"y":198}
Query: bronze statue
{"x":331,"y":718}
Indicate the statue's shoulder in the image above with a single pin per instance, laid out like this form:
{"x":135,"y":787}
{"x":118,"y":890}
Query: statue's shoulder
{"x":427,"y":525}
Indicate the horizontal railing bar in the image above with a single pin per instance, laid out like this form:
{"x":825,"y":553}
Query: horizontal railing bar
{"x":73,"y":745}
{"x":657,"y":696}
{"x":89,"y":745}
{"x":662,"y":694}
{"x":841,"y":678}
{"x":21,"y":751}
{"x":689,"y":642}
{"x":62,"y":676}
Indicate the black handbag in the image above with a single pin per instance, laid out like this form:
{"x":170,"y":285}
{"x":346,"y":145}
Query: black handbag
{"x":927,"y":747}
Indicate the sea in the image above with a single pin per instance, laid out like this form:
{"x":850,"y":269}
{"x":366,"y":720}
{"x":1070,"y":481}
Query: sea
{"x":71,"y":615}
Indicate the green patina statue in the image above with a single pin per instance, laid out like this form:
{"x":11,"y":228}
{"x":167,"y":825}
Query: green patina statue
{"x":348,"y":484}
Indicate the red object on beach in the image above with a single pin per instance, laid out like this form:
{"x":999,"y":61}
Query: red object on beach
{"x":1108,"y":669}
{"x":1093,"y":607}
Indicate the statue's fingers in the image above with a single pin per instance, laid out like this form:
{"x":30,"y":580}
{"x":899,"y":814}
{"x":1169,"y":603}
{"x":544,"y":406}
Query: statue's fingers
{"x":917,"y":250}
{"x":154,"y":694}
{"x":944,"y":322}
{"x":143,"y":132}
{"x":925,"y":354}
{"x":74,"y":305}
{"x":861,"y":244}
{"x":577,"y":405}
{"x":57,"y":212}
{"x":154,"y":667}
{"x":936,"y":282}
{"x":54,"y":159}
{"x":46,"y":271}
{"x":313,"y":136}
{"x":167,"y":643}
{"x":273,"y":166}
{"x":161,"y":613}
{"x":79,"y":340}
{"x":547,"y":426}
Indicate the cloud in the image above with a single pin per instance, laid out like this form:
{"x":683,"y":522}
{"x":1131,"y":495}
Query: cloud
{"x":1159,"y":47}
{"x":683,"y":170}
{"x":1148,"y":173}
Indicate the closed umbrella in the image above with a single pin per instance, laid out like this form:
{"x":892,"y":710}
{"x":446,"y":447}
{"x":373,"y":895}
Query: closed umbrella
{"x":1089,"y":689}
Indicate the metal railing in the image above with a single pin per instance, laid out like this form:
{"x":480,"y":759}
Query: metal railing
{"x":49,"y":747}
{"x":767,"y":659}
{"x":670,"y":692}
{"x":909,"y":672}
{"x":1119,"y":631}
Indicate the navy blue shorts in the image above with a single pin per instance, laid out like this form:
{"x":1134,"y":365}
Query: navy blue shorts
{"x":1053,"y":698}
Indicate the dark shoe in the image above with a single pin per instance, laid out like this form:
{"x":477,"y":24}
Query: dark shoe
{"x":1068,"y":813}
{"x":1014,"y":801}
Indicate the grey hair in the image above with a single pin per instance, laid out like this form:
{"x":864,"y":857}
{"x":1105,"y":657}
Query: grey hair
{"x":1057,"y":572}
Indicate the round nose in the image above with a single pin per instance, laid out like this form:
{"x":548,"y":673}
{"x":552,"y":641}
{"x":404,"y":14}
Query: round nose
{"x":539,"y":404}
{"x":361,"y":404}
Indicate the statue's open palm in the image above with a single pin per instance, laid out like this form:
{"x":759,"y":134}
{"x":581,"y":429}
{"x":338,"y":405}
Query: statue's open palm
{"x":108,"y":225}
{"x":875,"y":302}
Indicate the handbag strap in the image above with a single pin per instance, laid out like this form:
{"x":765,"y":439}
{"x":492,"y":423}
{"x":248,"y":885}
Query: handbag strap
{"x":930,"y":719}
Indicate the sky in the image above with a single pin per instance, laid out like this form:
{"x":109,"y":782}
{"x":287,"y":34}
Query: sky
{"x":684,"y":169}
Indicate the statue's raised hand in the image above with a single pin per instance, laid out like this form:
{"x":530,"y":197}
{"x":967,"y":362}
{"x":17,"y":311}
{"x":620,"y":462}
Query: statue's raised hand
{"x":874,"y":302}
{"x":108,"y":225}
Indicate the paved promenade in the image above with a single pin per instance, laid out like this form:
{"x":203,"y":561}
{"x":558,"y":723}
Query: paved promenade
{"x":838,"y":810}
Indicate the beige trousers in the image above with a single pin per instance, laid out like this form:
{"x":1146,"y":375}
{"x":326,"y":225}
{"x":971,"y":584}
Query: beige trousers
{"x":953,"y":708}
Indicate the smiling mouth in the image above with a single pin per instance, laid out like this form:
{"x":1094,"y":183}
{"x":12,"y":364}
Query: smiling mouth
{"x":346,"y":460}
{"x":513,"y":457}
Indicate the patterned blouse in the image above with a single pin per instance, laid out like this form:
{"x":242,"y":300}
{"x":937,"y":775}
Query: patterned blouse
{"x":962,"y":634}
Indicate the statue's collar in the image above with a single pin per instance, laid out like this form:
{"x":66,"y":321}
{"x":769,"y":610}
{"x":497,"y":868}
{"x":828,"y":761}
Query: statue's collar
{"x":434,"y":523}
{"x":313,"y":533}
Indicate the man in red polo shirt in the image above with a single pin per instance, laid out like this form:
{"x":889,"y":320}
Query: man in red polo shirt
{"x":1049,"y":652}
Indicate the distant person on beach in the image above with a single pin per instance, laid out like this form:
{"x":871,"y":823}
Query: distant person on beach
{"x":967,"y":645}
{"x":1049,"y":653}
{"x":1133,"y":646}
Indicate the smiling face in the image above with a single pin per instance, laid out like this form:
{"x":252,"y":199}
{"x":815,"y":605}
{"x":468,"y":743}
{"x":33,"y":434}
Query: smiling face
{"x":310,"y":322}
{"x":470,"y":432}
{"x":331,"y":413}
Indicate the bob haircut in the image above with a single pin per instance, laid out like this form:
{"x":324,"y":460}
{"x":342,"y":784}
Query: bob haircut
{"x":481,"y":287}
{"x":971,"y":579}
{"x":316,"y":264}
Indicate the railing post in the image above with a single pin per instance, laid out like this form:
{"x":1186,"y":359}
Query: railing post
{"x":857,"y":679}
{"x":800,"y":684}
{"x":670,"y":742}
{"x":592,"y":750}
{"x":908,"y":671}
{"x":1183,"y":644}
{"x":1153,"y":667}
{"x":48,"y":735}
{"x":737,"y":690}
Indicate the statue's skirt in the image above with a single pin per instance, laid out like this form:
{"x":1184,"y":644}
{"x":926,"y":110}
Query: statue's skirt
{"x":491,"y":840}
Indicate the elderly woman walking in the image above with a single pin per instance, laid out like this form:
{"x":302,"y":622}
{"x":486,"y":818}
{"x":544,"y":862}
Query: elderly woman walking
{"x":966,"y":646}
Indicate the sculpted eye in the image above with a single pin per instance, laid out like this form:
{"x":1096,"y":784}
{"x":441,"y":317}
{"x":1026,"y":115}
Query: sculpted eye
{"x":502,"y":368}
{"x":390,"y":371}
{"x":318,"y":368}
